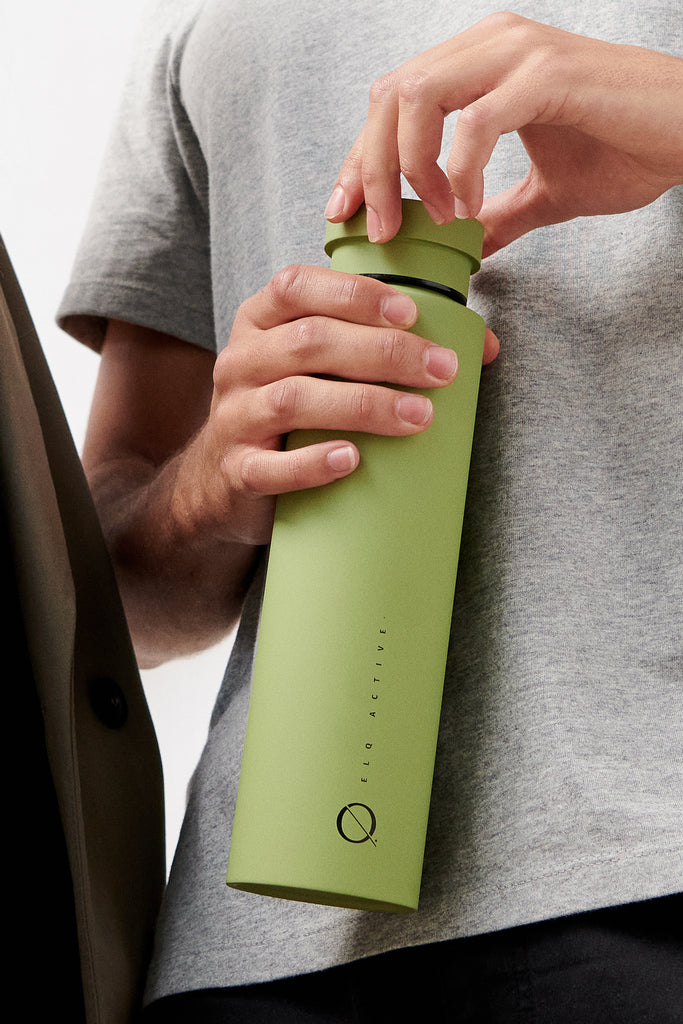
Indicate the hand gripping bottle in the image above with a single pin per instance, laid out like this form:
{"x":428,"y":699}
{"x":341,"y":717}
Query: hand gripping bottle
{"x":339,"y":753}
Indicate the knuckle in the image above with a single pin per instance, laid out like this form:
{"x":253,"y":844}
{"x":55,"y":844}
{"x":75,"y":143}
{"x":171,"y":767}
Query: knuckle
{"x":304,"y":337}
{"x":414,"y":171}
{"x":394,"y":349}
{"x":374,"y":175}
{"x":414,"y":86}
{"x":383,"y":88}
{"x":456,"y":169}
{"x":548,"y":65}
{"x":475,"y":122}
{"x":248,"y":472}
{"x":229,"y":428}
{"x":350,"y":287}
{"x":475,"y":117}
{"x":361,"y":402}
{"x":525,"y":32}
{"x":296,"y":470}
{"x":283,"y":399}
{"x":287,"y":285}
{"x":523,"y":35}
{"x":352,"y":164}
{"x":504,"y":21}
{"x":224,"y":369}
{"x":500,"y":18}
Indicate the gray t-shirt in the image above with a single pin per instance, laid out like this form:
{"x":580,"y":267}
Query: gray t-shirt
{"x":558,"y":784}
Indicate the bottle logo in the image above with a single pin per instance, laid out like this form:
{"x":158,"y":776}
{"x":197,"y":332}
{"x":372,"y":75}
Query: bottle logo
{"x":356,"y":823}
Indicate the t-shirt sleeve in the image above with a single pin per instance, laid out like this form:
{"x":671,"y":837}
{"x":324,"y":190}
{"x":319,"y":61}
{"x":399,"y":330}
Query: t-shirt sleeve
{"x":145,"y":256}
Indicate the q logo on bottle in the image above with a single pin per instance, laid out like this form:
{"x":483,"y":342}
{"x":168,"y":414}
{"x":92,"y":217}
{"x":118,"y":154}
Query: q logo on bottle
{"x":356,"y":823}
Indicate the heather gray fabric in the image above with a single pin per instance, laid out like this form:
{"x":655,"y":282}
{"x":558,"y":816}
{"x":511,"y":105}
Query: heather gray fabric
{"x":558,"y":783}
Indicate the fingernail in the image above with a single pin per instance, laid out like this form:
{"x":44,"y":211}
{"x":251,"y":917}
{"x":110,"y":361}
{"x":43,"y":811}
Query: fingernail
{"x":335,"y":204}
{"x":414,"y":409}
{"x":441,"y":362}
{"x":461,"y":211}
{"x":437,"y":216}
{"x":341,"y":460}
{"x":399,"y":309}
{"x":374,"y":225}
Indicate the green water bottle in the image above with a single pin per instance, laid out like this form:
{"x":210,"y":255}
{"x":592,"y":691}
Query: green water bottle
{"x":341,"y":737}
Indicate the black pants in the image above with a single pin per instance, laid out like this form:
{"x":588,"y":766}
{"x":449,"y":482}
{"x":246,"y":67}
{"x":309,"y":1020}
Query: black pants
{"x":622,"y":965}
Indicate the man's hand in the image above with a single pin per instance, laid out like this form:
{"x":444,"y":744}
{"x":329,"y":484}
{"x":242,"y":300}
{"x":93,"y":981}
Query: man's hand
{"x":311,"y":350}
{"x":185,"y":471}
{"x":602,"y":124}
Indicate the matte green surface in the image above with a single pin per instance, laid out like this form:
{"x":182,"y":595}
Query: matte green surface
{"x":446,"y":254}
{"x":351,"y":657}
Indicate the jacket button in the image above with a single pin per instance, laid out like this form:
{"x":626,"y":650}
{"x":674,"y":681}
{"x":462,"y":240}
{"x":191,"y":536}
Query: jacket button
{"x":108,"y":702}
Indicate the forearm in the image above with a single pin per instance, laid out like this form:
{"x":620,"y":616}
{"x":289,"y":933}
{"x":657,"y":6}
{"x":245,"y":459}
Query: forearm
{"x":181,"y":592}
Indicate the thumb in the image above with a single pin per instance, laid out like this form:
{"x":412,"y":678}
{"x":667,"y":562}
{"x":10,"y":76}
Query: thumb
{"x":514,"y":213}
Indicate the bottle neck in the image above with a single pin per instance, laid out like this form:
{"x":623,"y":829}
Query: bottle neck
{"x":418,"y":282}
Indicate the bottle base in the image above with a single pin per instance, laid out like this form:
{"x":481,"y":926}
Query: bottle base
{"x":322,"y":897}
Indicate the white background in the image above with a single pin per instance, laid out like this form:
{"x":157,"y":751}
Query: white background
{"x":62,"y":63}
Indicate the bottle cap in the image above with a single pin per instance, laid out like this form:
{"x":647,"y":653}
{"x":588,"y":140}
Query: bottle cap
{"x":445,"y":254}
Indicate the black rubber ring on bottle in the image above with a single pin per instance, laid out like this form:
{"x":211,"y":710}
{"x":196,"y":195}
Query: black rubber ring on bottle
{"x":418,"y":282}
